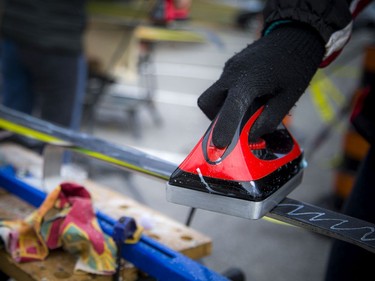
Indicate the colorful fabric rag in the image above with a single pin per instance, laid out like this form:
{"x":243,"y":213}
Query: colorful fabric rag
{"x":65,"y":219}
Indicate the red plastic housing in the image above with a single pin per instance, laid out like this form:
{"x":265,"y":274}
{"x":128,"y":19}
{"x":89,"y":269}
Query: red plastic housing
{"x":237,"y":162}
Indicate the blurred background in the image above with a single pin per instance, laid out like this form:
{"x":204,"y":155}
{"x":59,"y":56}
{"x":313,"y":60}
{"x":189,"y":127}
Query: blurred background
{"x":146,"y":70}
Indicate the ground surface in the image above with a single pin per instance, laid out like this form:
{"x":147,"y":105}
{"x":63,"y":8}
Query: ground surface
{"x":263,"y":250}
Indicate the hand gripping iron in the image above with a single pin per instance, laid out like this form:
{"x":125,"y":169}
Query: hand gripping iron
{"x":244,"y":179}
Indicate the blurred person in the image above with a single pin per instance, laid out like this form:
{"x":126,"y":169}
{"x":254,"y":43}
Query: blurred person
{"x":1,"y":83}
{"x":43,"y":66}
{"x":298,"y":38}
{"x":42,"y":63}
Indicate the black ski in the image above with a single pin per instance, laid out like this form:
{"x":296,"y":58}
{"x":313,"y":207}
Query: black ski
{"x":326,"y":222}
{"x":320,"y":220}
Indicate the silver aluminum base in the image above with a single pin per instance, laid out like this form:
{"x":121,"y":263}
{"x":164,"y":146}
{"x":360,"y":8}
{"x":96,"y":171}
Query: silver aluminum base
{"x":228,"y":205}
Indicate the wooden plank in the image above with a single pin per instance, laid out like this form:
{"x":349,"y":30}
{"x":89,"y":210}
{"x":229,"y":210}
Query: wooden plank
{"x":159,"y":34}
{"x":167,"y":231}
{"x":59,"y":264}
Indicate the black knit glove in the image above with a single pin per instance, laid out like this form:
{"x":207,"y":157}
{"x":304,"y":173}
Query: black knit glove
{"x":276,"y":69}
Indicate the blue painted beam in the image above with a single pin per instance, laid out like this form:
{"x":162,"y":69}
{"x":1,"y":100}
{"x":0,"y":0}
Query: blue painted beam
{"x":147,"y":255}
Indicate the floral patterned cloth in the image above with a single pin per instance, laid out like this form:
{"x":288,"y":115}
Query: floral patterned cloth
{"x":65,"y":219}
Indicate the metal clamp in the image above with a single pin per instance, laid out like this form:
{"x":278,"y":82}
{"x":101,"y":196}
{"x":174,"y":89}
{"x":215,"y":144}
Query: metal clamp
{"x":58,"y":166}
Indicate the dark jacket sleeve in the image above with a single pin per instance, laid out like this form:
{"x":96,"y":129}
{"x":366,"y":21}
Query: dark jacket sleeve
{"x":333,"y":19}
{"x":53,"y":25}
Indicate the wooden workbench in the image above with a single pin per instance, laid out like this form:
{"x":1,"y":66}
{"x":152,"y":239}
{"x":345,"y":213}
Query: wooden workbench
{"x":59,"y":265}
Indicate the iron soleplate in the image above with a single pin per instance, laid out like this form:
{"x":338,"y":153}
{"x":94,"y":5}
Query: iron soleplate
{"x":229,"y":205}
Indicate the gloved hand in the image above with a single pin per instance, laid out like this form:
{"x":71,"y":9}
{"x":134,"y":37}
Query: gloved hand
{"x":277,"y":68}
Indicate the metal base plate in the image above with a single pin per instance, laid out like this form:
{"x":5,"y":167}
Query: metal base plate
{"x":229,"y":205}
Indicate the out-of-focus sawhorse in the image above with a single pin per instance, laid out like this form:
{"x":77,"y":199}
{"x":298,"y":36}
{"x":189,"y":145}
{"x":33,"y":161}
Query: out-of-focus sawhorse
{"x":122,"y":75}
